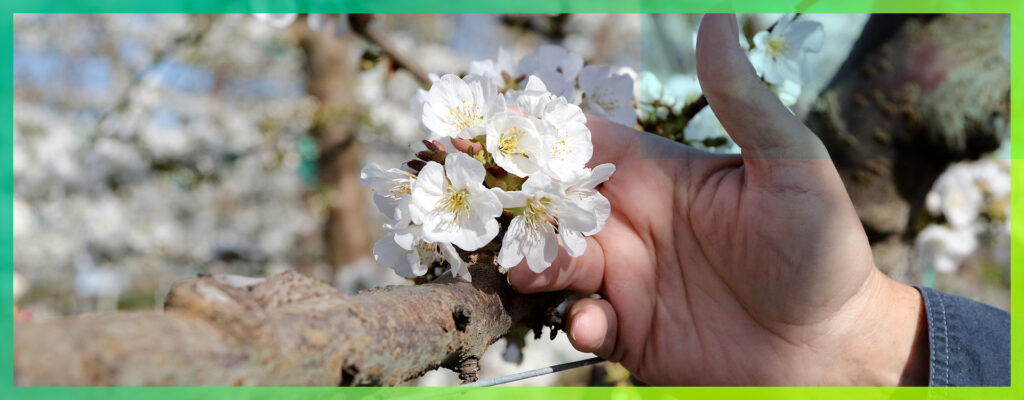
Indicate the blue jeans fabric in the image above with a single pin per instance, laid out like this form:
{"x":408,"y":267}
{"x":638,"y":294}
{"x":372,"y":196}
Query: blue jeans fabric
{"x":969,"y":342}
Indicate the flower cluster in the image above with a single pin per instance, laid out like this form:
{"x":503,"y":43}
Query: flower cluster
{"x":781,"y":56}
{"x":968,"y":207}
{"x":523,"y":173}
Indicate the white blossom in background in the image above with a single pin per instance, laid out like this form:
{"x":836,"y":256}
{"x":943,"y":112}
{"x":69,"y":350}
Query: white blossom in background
{"x":607,"y":95}
{"x":680,"y":91}
{"x":970,"y":207}
{"x":944,"y":248}
{"x":495,"y":70}
{"x":705,"y":125}
{"x":556,"y":66}
{"x":781,"y":54}
{"x":956,"y":196}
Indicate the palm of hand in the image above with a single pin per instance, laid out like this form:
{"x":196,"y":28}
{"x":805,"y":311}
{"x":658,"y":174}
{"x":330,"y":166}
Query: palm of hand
{"x":728,"y":269}
{"x":715,"y":276}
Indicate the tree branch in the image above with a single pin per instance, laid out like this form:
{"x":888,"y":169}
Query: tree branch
{"x":361,"y":25}
{"x":285,"y":330}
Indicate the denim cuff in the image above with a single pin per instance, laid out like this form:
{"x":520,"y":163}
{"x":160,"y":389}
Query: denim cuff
{"x":968,"y":342}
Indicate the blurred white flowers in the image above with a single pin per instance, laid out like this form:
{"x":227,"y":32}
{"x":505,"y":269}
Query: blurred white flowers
{"x":556,"y":66}
{"x":970,"y":207}
{"x":781,"y":54}
{"x":529,"y":164}
{"x":944,"y":248}
{"x":608,"y":95}
{"x":705,"y":128}
{"x":783,"y":57}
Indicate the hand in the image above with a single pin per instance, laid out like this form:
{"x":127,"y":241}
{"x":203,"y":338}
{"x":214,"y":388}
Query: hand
{"x":729,"y":270}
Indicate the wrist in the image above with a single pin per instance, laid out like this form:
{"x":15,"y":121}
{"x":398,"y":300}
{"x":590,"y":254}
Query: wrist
{"x":887,"y":340}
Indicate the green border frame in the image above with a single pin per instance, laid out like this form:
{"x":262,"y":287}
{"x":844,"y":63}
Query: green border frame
{"x":1013,"y":7}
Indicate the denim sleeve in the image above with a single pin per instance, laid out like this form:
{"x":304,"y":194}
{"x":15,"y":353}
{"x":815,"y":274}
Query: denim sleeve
{"x":969,"y":342}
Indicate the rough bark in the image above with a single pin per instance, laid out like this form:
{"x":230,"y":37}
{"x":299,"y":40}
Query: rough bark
{"x":917,"y":93}
{"x":285,"y":330}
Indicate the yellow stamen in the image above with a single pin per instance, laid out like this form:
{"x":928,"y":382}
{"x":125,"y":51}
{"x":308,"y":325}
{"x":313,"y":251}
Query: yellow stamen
{"x":509,"y":142}
{"x":428,"y":253}
{"x":454,"y":206}
{"x":465,"y":115}
{"x":539,"y":218}
{"x":776,"y":46}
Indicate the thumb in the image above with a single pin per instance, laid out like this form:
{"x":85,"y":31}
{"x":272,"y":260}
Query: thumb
{"x":752,"y":114}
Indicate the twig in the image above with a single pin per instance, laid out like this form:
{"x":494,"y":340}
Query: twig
{"x":554,"y":32}
{"x":361,"y":25}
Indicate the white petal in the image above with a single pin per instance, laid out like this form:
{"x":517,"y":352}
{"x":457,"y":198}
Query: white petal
{"x":575,"y":243}
{"x":511,"y":252}
{"x":601,"y":209}
{"x":462,"y":170}
{"x":388,"y":253}
{"x":540,"y":255}
{"x":458,"y":266}
{"x":511,"y":199}
{"x":572,"y":216}
{"x":486,"y":203}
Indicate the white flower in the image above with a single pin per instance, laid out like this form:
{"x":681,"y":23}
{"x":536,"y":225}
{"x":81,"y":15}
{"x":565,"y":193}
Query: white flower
{"x":788,"y":92}
{"x":392,"y":191}
{"x":607,"y":95}
{"x":649,"y":88}
{"x":683,"y":89}
{"x":993,"y":176}
{"x":541,"y":213}
{"x":493,"y":69}
{"x":705,"y":125}
{"x":580,"y":194}
{"x":944,"y":248}
{"x":957,"y":197}
{"x":556,"y":66}
{"x":457,"y":108}
{"x":782,"y":53}
{"x":453,"y":204}
{"x":569,"y":148}
{"x":532,"y":232}
{"x":515,"y":143}
{"x":410,"y":255}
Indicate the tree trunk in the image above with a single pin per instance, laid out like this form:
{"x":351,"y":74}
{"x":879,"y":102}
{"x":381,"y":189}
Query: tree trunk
{"x":916,"y":94}
{"x":285,"y":330}
{"x":330,"y":78}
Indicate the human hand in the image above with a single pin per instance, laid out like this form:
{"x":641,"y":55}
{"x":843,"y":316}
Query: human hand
{"x":734,"y":270}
